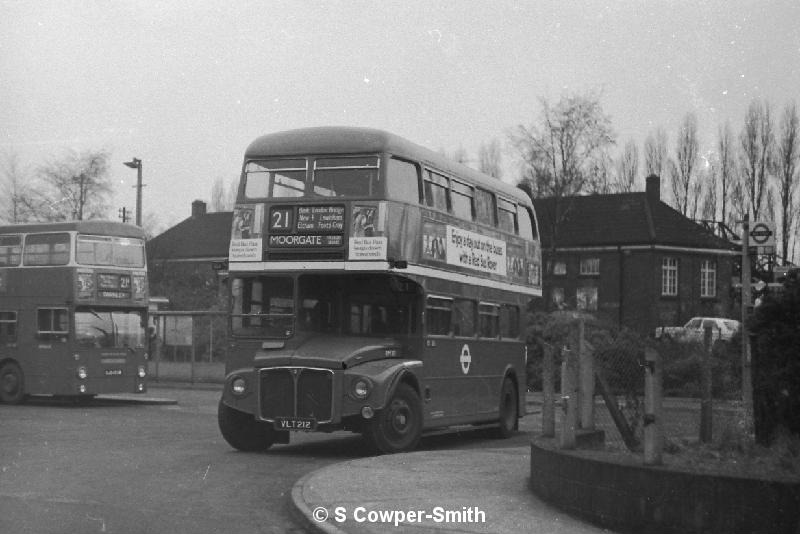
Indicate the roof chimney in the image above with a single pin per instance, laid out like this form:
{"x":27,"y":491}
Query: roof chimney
{"x":653,"y":188}
{"x":198,"y":208}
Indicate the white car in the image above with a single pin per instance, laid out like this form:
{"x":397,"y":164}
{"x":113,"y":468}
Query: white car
{"x":721,"y":328}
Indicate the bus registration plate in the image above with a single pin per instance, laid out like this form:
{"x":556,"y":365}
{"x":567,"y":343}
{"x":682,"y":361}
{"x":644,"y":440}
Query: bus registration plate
{"x":296,"y":423}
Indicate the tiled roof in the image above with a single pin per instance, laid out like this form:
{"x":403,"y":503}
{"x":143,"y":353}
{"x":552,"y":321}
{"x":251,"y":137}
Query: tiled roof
{"x":619,"y":219}
{"x":200,"y":236}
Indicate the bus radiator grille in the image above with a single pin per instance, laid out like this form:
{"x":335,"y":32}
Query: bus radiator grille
{"x":296,"y":392}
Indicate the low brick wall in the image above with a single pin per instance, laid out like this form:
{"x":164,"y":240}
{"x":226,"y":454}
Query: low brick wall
{"x":641,"y":499}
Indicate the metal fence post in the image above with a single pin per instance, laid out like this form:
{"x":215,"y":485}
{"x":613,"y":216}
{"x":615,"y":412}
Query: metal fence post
{"x":706,"y":408}
{"x":653,"y":440}
{"x":548,"y":392}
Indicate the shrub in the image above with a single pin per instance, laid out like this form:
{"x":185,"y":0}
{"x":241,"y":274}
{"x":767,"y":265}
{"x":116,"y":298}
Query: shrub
{"x":776,"y":362}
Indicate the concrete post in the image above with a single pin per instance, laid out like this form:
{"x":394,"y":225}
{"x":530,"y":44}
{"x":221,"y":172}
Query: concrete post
{"x":548,"y":392}
{"x":706,"y":408}
{"x":586,"y":381}
{"x":653,"y":418}
{"x":569,"y":394}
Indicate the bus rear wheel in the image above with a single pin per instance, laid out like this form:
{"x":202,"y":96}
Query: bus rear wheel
{"x":398,"y":426}
{"x":508,"y":409}
{"x":242,"y":431}
{"x":12,"y":383}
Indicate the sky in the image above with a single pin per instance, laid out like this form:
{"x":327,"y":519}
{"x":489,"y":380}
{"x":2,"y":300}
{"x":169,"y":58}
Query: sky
{"x":185,"y":85}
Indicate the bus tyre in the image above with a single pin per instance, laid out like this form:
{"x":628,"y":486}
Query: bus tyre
{"x":508,"y":409}
{"x":12,"y":383}
{"x":398,"y":426}
{"x":242,"y":431}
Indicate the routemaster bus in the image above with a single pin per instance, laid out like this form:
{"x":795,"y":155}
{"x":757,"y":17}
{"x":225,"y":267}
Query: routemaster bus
{"x":73,"y":309}
{"x":375,"y":287}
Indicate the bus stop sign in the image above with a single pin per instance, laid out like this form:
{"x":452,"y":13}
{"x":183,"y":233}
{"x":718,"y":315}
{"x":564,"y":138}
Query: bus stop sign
{"x":762,"y":235}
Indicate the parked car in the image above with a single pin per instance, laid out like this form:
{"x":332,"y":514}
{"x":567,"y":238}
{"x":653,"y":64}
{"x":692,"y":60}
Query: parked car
{"x":721,"y":329}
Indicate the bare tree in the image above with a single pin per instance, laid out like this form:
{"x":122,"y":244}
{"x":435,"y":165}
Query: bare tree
{"x":788,"y":155}
{"x":490,"y":160}
{"x":461,"y":156}
{"x":560,"y":153}
{"x":75,"y":187}
{"x":709,"y":205}
{"x":686,"y":152}
{"x":221,"y":199}
{"x":628,"y":168}
{"x":727,"y":168}
{"x":655,"y":152}
{"x":757,"y":140}
{"x":563,"y":152}
{"x":16,"y":190}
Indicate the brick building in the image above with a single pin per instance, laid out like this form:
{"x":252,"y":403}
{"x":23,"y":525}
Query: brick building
{"x":632,"y":260}
{"x":180,"y":259}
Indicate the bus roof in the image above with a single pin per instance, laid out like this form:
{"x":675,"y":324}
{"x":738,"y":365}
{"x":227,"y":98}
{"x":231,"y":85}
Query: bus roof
{"x":95,"y":227}
{"x":329,"y":140}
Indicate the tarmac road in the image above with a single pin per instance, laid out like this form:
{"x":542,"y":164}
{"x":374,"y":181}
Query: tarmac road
{"x":116,"y":466}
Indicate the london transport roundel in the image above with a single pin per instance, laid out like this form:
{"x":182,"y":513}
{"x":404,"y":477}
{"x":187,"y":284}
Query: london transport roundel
{"x":465,"y":359}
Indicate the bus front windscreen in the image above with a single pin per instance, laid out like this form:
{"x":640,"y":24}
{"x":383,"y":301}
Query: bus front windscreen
{"x":104,"y":328}
{"x":110,"y":250}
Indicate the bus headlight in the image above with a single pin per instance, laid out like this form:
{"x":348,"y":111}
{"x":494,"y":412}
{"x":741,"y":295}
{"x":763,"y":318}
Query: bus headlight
{"x":239,"y":386}
{"x":361,"y":388}
{"x":142,"y":372}
{"x":82,"y":373}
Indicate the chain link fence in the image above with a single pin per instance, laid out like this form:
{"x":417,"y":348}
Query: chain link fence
{"x":188,"y":346}
{"x":700,"y":384}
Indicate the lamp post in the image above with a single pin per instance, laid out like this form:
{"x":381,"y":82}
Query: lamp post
{"x":136,"y":163}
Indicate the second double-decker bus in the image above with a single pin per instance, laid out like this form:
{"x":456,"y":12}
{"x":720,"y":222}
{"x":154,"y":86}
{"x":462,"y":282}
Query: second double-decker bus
{"x":375,"y":287}
{"x":73,"y":309}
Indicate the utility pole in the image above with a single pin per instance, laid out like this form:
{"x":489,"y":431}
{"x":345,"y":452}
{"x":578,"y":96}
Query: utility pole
{"x":747,"y":380}
{"x":136,"y":163}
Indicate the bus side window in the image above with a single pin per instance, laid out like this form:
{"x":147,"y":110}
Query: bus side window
{"x":402,"y":181}
{"x":485,"y":207}
{"x":489,"y":318}
{"x":527,"y":229}
{"x":52,"y":323}
{"x":435,"y":191}
{"x":461,"y":200}
{"x":438,"y":314}
{"x":507,"y":216}
{"x":8,"y":326}
{"x":10,"y":250}
{"x":463,"y":318}
{"x":509,"y":321}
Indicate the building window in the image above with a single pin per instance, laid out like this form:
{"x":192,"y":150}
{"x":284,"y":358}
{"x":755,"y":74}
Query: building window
{"x":669,"y":277}
{"x":557,"y":297}
{"x":586,"y":298}
{"x":559,"y":268}
{"x":708,"y":278}
{"x":590,"y":266}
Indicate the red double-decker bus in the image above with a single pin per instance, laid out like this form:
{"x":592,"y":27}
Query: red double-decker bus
{"x":73,"y":309}
{"x":375,"y":287}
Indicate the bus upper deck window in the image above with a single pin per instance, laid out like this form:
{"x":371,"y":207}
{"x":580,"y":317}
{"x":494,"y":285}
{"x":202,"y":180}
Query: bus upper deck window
{"x":506,"y":216}
{"x":484,"y":207}
{"x":435,"y":191}
{"x":526,"y":226}
{"x":402,"y":181}
{"x":10,"y":250}
{"x":346,"y":176}
{"x":47,"y":249}
{"x":275,"y":179}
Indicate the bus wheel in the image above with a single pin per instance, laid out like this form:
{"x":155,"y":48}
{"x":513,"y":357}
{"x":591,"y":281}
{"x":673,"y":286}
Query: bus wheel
{"x":242,"y":431}
{"x":12,"y":383}
{"x":508,"y":409}
{"x":398,"y":426}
